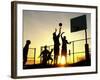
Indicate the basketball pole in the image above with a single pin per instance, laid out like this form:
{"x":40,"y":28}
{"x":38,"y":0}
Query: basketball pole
{"x":34,"y":54}
{"x":86,"y":47}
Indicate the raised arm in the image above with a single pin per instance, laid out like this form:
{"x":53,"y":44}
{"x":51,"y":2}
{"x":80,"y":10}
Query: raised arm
{"x":59,"y":31}
{"x":51,"y":50}
{"x":41,"y":54}
{"x":62,"y":34}
{"x":68,"y":42}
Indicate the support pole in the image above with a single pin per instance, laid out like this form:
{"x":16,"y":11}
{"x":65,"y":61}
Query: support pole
{"x":34,"y":54}
{"x":86,"y":36}
{"x":40,"y":56}
{"x":87,"y":56}
{"x":73,"y":51}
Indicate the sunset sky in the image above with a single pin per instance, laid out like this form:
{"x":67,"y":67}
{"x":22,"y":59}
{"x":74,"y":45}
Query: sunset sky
{"x":38,"y":26}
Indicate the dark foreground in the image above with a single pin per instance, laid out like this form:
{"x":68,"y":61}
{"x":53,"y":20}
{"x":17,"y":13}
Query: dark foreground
{"x":39,"y":66}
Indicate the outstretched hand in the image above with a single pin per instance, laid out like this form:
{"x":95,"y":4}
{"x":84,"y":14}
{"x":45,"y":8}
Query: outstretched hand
{"x":69,"y":42}
{"x":63,"y":32}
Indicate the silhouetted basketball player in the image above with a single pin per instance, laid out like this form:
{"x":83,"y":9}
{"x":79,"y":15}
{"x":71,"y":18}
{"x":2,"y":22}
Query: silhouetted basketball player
{"x":44,"y":55}
{"x":64,"y":47}
{"x":56,"y":44}
{"x":25,"y":51}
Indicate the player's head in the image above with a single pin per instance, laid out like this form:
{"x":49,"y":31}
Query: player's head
{"x":65,"y":37}
{"x":45,"y":47}
{"x":28,"y":42}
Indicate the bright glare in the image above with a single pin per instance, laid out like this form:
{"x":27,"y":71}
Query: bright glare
{"x":63,"y":60}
